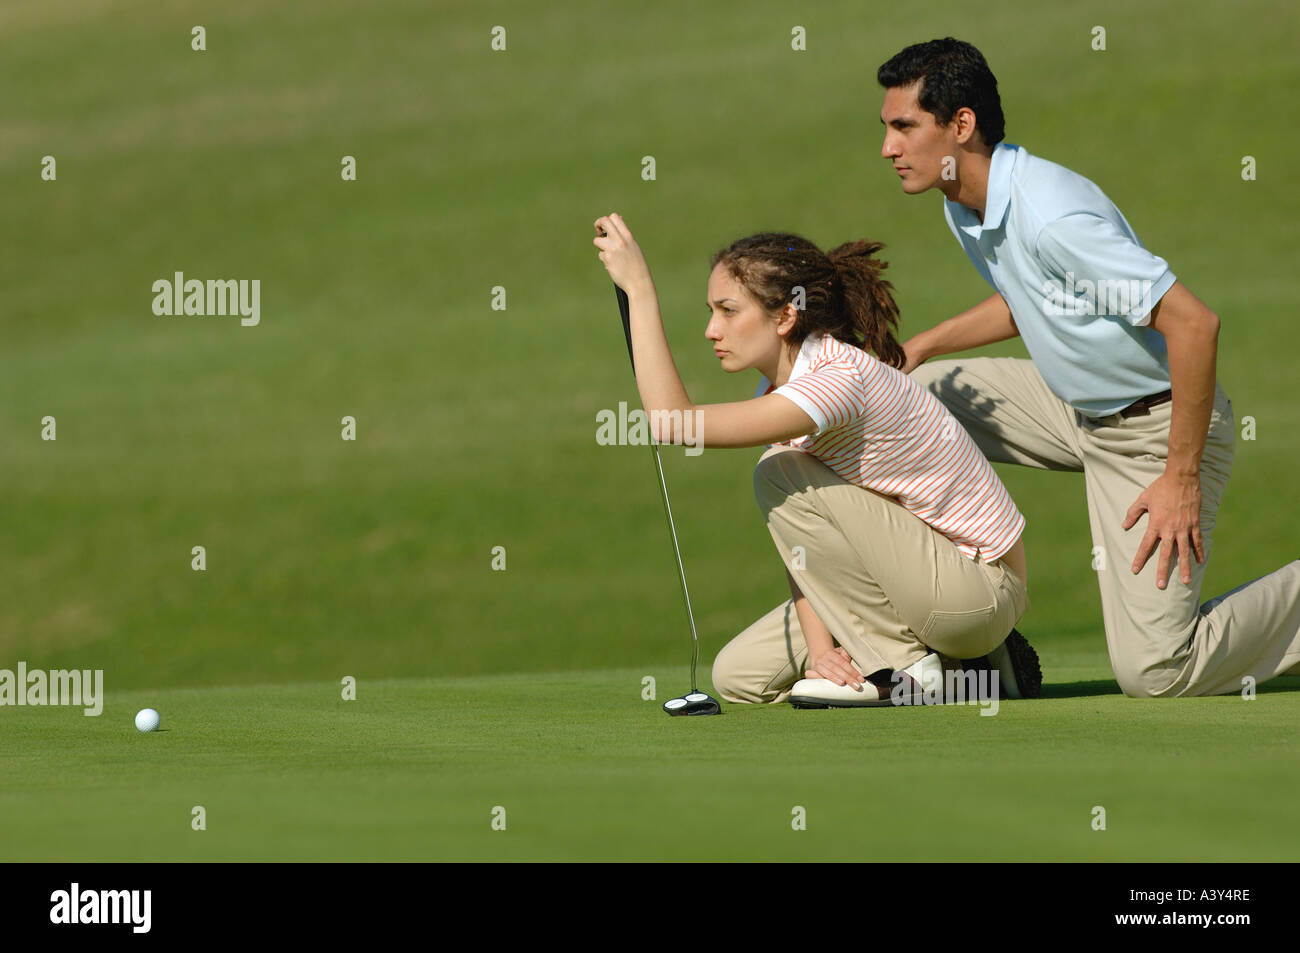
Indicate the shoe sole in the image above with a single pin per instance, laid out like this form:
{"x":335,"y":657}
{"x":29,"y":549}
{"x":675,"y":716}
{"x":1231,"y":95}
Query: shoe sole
{"x":1026,"y":672}
{"x":1025,"y":665}
{"x":802,"y":701}
{"x":809,"y":701}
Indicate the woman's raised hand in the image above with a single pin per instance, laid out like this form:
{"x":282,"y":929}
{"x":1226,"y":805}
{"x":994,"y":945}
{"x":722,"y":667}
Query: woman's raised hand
{"x":620,"y":254}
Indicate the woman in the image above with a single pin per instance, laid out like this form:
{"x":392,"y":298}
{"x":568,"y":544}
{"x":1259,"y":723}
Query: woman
{"x":900,"y":542}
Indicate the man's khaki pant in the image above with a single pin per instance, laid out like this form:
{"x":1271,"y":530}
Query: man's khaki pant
{"x":1161,"y":643}
{"x":888,"y":587}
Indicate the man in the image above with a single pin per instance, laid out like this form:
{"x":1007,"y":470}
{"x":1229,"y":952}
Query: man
{"x":1121,"y":382}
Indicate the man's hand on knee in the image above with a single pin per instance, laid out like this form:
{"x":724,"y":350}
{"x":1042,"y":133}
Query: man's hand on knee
{"x":1173,"y":508}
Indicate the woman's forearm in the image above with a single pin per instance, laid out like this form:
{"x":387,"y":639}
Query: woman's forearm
{"x":815,"y":634}
{"x":657,"y":379}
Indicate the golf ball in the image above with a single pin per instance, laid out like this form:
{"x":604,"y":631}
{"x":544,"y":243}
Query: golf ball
{"x":147,"y":719}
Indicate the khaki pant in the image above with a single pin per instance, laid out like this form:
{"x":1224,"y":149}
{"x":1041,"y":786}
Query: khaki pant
{"x":888,"y":587}
{"x":1161,"y":643}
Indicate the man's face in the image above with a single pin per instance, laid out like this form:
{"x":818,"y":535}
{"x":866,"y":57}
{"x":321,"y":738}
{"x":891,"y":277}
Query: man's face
{"x":915,"y":144}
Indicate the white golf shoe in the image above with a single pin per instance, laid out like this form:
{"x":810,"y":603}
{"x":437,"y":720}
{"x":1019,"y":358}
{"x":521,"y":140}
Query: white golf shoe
{"x":919,"y":683}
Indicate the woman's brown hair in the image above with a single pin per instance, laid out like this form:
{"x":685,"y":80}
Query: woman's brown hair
{"x":844,"y":294}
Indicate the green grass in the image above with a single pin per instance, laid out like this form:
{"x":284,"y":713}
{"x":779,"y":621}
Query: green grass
{"x":413,"y":770}
{"x":476,"y":428}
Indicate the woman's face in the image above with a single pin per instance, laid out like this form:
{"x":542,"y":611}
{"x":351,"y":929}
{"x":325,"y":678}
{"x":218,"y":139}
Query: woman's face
{"x":742,"y":333}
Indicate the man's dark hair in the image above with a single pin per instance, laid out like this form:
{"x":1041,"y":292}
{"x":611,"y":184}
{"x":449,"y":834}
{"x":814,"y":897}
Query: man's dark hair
{"x":953,"y":74}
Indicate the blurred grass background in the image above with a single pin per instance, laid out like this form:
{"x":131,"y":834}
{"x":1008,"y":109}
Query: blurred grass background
{"x":476,"y":427}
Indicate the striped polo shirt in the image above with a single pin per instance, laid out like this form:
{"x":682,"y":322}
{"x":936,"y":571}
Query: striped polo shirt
{"x":879,"y":429}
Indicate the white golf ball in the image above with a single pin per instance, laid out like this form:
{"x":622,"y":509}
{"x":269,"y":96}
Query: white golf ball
{"x":147,"y":719}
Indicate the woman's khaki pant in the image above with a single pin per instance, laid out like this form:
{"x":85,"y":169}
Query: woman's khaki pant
{"x":888,"y":587}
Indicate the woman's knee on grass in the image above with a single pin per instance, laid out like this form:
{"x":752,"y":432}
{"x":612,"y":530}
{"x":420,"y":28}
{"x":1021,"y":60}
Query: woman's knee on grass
{"x":736,"y":680}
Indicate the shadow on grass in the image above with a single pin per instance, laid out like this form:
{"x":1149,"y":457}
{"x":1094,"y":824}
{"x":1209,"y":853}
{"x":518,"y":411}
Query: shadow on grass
{"x":1106,"y":686}
{"x":1103,"y":686}
{"x":1282,"y":683}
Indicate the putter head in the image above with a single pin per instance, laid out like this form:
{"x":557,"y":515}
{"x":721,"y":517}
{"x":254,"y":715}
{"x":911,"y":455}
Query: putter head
{"x":695,"y":703}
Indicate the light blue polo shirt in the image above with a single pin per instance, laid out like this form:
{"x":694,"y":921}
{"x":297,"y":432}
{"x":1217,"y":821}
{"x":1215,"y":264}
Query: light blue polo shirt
{"x":1079,"y":284}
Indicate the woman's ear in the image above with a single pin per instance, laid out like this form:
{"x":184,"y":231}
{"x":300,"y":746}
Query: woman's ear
{"x":787,"y":319}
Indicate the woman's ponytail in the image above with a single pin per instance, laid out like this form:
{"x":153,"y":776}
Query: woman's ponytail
{"x":869,"y":298}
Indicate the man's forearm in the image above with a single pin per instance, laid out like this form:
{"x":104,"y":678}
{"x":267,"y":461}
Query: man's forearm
{"x":1191,"y":379}
{"x":988,"y":322}
{"x":1191,"y":333}
{"x":1172,"y":503}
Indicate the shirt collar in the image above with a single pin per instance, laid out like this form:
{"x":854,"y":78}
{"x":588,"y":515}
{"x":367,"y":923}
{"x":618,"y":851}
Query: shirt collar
{"x":803,"y":360}
{"x":997,"y":196}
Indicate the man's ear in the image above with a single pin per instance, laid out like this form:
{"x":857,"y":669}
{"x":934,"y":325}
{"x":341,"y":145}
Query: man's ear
{"x":965,"y":127}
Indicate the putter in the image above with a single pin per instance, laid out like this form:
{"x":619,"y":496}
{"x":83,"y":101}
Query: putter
{"x":694,"y":702}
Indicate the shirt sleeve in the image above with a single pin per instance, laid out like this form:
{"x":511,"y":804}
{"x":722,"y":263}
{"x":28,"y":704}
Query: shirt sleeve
{"x":1092,"y":255}
{"x":832,"y":394}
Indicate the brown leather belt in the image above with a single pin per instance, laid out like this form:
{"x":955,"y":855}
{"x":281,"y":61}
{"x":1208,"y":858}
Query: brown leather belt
{"x":1144,"y":405}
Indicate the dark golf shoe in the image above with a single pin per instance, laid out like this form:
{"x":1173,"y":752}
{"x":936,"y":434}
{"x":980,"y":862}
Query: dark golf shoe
{"x":1017,"y":667}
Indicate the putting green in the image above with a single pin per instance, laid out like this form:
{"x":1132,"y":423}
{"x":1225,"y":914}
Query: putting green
{"x":586,"y":770}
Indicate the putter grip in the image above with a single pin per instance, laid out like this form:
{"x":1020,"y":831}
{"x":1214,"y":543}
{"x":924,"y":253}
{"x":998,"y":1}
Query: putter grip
{"x":624,"y":309}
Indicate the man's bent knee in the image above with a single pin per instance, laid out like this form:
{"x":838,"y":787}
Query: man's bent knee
{"x":1148,"y":683}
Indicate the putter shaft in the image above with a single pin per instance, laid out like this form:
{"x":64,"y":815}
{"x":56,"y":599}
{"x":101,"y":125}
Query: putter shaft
{"x":681,"y":570}
{"x":625,"y":313}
